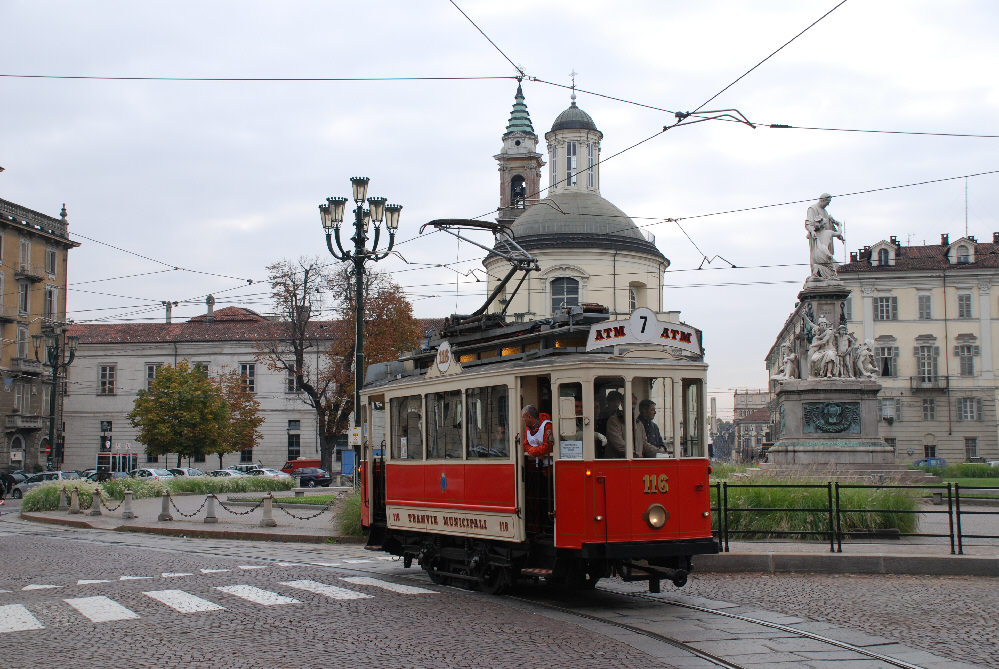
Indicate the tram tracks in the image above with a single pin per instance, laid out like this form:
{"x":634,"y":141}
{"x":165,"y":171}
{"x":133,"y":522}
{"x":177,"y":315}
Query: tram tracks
{"x":243,"y":551}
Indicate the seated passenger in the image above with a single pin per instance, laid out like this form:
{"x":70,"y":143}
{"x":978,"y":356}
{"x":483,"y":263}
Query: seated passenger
{"x":538,"y":437}
{"x":648,"y":439}
{"x":614,"y":426}
{"x":500,"y":443}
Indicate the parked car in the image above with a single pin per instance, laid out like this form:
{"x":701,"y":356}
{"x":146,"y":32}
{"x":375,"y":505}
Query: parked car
{"x":245,"y":468}
{"x":100,"y":477}
{"x":993,"y":463}
{"x":151,"y":473}
{"x":270,"y":473}
{"x":311,"y":477}
{"x":931,"y":462}
{"x":226,"y":472}
{"x":186,"y":471}
{"x":301,"y":463}
{"x":37,"y":479}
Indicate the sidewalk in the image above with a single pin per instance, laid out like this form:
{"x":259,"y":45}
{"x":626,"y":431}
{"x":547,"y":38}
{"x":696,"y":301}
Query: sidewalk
{"x":906,"y":555}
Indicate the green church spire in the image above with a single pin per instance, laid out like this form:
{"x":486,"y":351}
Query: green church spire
{"x":520,"y":120}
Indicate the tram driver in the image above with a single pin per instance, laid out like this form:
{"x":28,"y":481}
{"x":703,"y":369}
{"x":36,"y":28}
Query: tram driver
{"x":539,"y":440}
{"x":648,"y":439}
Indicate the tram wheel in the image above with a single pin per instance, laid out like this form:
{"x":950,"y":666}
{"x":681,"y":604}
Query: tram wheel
{"x":436,"y":576}
{"x":495,"y":580}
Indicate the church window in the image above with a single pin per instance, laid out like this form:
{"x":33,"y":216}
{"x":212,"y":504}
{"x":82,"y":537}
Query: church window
{"x":518,"y":192}
{"x":553,"y":169}
{"x":565,"y":293}
{"x":570,"y":163}
{"x":589,"y":164}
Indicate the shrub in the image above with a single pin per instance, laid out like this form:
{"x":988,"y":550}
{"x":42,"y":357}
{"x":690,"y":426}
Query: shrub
{"x":721,"y":471}
{"x":350,"y":516}
{"x":970,"y":470}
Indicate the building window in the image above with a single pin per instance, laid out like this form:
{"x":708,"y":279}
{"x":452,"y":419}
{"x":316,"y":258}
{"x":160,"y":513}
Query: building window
{"x":848,"y":309}
{"x":883,"y":257}
{"x":294,"y":425}
{"x":51,"y":302}
{"x":22,"y":341}
{"x":50,"y":261}
{"x":22,"y":298}
{"x":203,"y":366}
{"x":152,"y":458}
{"x":969,"y":408}
{"x":926,"y":363}
{"x":151,"y":369}
{"x":106,"y":380}
{"x":589,"y":164}
{"x":886,"y":308}
{"x":890,"y":442}
{"x":963,"y":255}
{"x":565,"y":293}
{"x":553,"y":169}
{"x":570,"y":163}
{"x":929,"y":451}
{"x":929,"y":408}
{"x":632,"y":299}
{"x":925,"y":308}
{"x":246,"y":456}
{"x":199,"y":457}
{"x":887,"y":360}
{"x":891,"y":409}
{"x":19,"y":404}
{"x":970,"y":448}
{"x":248,"y":373}
{"x":292,"y":384}
{"x":964,"y":305}
{"x":25,"y":260}
{"x":294,"y":446}
{"x":966,"y":354}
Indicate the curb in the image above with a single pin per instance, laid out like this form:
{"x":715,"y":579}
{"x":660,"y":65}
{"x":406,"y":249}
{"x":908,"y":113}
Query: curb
{"x":837,"y":563}
{"x":243,"y":535}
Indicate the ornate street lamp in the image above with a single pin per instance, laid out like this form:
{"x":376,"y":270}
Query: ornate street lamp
{"x":331,"y":214}
{"x":54,"y":354}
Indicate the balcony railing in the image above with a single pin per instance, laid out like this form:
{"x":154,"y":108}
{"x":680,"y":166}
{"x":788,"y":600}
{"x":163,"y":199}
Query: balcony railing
{"x":18,"y":421}
{"x":25,"y":366}
{"x":8,"y":313}
{"x":928,"y":382}
{"x":30,"y":272}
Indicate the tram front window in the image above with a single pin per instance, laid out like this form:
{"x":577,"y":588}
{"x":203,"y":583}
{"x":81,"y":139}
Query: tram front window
{"x":608,"y":402}
{"x":444,"y":417}
{"x":487,"y":420}
{"x":407,"y":428}
{"x":691,"y":436}
{"x":654,"y":417}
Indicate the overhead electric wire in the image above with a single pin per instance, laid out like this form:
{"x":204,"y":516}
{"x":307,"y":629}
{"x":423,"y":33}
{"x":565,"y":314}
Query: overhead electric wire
{"x":495,"y":46}
{"x":247,"y":79}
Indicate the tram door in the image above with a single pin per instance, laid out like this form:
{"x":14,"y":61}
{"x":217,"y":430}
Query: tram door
{"x":376,"y":459}
{"x":538,"y":473}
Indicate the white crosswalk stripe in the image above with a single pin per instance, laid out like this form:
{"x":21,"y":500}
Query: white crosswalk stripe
{"x":330,"y":591}
{"x":257,"y":595}
{"x":175,"y":574}
{"x":184,"y":602}
{"x":387,"y":585}
{"x":362,"y":560}
{"x":17,"y":618}
{"x":214,"y":571}
{"x":37,"y":586}
{"x":253,"y":566}
{"x":101,"y":609}
{"x":91,"y":581}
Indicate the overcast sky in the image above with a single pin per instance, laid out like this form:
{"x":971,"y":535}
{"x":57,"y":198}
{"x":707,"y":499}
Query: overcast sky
{"x":223,"y":178}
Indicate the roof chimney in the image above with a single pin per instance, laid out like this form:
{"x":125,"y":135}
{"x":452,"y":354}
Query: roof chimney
{"x":210,"y":301}
{"x":169,"y":310}
{"x":944,"y":239}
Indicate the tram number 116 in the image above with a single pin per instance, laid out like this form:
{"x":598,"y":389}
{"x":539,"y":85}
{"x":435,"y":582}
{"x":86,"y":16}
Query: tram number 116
{"x":655,"y":483}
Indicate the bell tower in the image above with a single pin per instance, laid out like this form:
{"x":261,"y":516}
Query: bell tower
{"x":519,"y":163}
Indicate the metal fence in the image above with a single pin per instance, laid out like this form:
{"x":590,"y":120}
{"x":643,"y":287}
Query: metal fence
{"x":834,"y":512}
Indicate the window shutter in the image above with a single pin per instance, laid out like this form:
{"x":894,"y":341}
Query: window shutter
{"x":957,"y":351}
{"x":977,"y":351}
{"x":898,"y":408}
{"x":978,"y":408}
{"x":936,"y":351}
{"x":894,"y":308}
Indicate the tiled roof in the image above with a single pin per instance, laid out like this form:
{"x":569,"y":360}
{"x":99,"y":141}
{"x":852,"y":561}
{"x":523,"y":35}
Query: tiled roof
{"x":755,"y":416}
{"x":230,"y":324}
{"x":922,"y":258}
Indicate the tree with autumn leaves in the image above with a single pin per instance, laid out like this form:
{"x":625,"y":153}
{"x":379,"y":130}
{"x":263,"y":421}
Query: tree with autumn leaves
{"x":186,"y":412}
{"x":319,"y":354}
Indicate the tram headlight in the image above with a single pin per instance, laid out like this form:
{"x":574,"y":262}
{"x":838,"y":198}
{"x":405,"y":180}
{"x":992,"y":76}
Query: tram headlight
{"x":656,"y":516}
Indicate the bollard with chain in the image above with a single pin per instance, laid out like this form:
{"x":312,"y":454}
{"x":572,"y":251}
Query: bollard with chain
{"x":95,"y":505}
{"x":74,"y":501}
{"x":165,"y":511}
{"x":268,"y":519}
{"x":210,"y":516}
{"x":63,"y":504}
{"x":126,"y":512}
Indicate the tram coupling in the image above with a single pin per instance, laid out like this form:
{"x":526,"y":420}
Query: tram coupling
{"x":631,"y":572}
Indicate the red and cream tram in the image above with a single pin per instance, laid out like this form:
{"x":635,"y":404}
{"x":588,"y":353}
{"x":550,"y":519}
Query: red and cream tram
{"x":445,"y":478}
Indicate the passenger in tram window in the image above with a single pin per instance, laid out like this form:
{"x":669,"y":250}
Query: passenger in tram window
{"x":648,"y":439}
{"x":500,"y":442}
{"x":615,"y":426}
{"x":538,"y":436}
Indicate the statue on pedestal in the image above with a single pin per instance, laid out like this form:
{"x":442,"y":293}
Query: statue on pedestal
{"x":822,"y":229}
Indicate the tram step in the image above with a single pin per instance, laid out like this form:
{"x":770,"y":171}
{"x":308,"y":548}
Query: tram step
{"x":372,"y":548}
{"x":536,"y":572}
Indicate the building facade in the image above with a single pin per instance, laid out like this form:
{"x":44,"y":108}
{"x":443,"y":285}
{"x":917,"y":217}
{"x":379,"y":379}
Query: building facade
{"x":752,"y":431}
{"x":745,"y":402}
{"x":588,"y":250}
{"x":930,"y":315}
{"x":34,"y":260}
{"x":114,"y":361}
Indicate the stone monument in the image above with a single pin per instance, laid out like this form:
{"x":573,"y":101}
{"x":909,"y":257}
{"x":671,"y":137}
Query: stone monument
{"x":826,"y":385}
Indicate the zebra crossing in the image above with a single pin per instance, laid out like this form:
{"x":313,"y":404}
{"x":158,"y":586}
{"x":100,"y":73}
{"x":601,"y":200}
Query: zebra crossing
{"x":100,"y":609}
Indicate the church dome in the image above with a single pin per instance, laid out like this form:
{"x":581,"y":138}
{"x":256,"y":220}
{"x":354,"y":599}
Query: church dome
{"x":579,"y":219}
{"x":573,"y":118}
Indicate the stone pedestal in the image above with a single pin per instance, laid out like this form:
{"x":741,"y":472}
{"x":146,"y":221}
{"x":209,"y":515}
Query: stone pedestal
{"x":822,"y":423}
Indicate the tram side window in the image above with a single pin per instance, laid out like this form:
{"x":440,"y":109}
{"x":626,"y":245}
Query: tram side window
{"x":691,"y":437}
{"x":654,"y":417}
{"x":608,"y":402}
{"x":570,"y":421}
{"x":444,"y":417}
{"x":488,"y":422}
{"x":407,"y":428}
